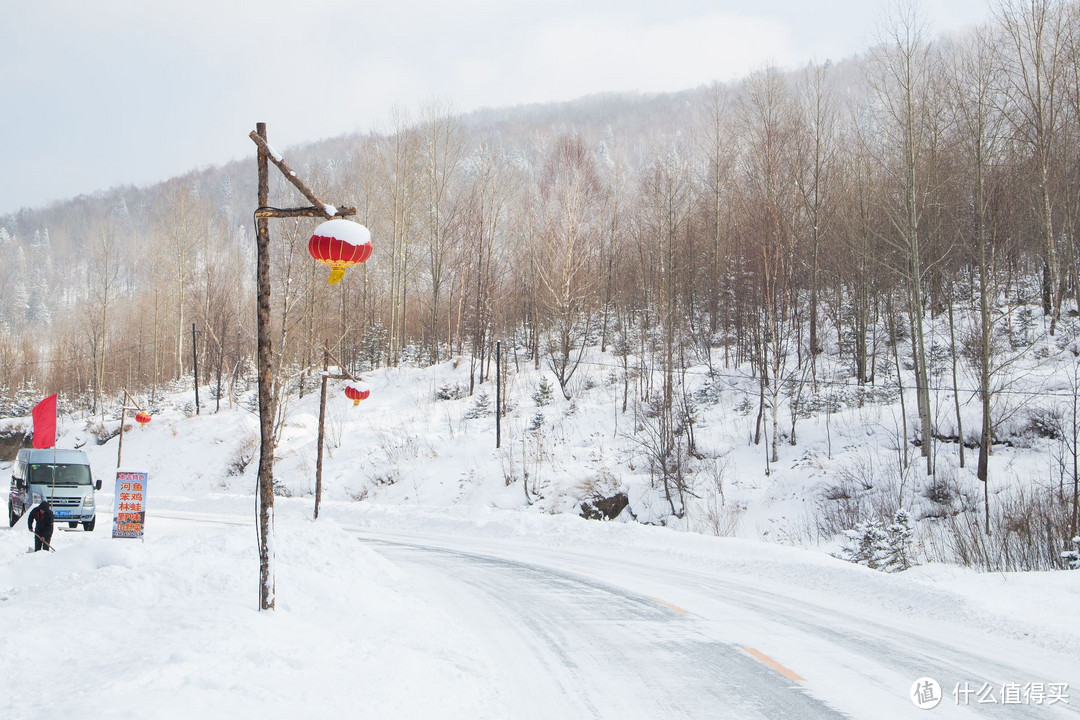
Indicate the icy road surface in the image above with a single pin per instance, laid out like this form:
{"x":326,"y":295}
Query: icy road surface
{"x":572,"y":647}
{"x":577,"y":636}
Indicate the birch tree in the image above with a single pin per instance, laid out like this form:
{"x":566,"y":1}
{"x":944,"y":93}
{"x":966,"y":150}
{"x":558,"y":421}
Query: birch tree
{"x":1034,"y":60}
{"x":901,"y":69}
{"x":441,"y":147}
{"x":572,"y":207}
{"x":768,"y":126}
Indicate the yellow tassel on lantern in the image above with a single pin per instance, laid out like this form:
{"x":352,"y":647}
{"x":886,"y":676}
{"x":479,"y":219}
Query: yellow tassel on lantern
{"x":336,"y":274}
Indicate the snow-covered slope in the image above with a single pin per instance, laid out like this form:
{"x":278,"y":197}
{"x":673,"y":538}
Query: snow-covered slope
{"x":169,"y":625}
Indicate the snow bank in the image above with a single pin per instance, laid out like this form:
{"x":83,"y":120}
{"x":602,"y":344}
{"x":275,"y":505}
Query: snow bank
{"x":168,"y":628}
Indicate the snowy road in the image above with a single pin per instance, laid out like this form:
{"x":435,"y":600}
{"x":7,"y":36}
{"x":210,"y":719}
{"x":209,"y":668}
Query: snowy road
{"x":584,"y":636}
{"x":535,"y":617}
{"x":575,"y":648}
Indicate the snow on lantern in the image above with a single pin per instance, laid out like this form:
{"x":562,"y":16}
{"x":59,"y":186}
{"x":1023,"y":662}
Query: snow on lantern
{"x":142,"y":418}
{"x":357,"y":393}
{"x":340,"y":244}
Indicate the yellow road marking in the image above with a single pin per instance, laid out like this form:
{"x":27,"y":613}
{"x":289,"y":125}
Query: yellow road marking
{"x":789,"y":674}
{"x":668,"y":605}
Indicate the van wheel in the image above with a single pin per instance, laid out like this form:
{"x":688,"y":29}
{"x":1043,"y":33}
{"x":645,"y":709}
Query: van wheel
{"x":89,"y":526}
{"x":12,"y":518}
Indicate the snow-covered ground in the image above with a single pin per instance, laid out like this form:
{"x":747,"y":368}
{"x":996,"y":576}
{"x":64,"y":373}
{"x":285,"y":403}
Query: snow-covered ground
{"x":168,"y":627}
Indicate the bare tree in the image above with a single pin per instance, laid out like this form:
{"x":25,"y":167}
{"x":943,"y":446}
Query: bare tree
{"x":662,"y":233}
{"x":103,"y":285}
{"x":399,"y":176}
{"x":182,"y":226}
{"x":1034,"y":64}
{"x":768,"y":123}
{"x":571,"y":198}
{"x":716,"y":140}
{"x":441,"y":149}
{"x":902,"y":67}
{"x":219,"y":313}
{"x":490,"y":185}
{"x":817,"y":158}
{"x":974,"y":85}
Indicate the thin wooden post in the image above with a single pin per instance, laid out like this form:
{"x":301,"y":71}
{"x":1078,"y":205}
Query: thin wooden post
{"x":195,"y":365}
{"x":123,"y":413}
{"x":498,"y":394}
{"x":322,"y":420}
{"x":221,"y":360}
{"x":265,"y":372}
{"x":123,"y":419}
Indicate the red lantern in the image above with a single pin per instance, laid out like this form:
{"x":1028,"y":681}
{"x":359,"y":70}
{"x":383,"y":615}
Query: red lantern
{"x":340,"y":244}
{"x":142,"y":418}
{"x":358,"y":393}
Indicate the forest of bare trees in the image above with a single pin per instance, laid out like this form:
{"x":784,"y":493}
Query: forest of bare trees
{"x":835,"y":212}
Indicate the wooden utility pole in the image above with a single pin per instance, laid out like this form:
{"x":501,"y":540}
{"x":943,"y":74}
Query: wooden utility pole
{"x":123,"y":417}
{"x":322,"y":420}
{"x":266,"y":155}
{"x":343,"y":375}
{"x":266,"y":400}
{"x":195,"y":365}
{"x":498,"y":394}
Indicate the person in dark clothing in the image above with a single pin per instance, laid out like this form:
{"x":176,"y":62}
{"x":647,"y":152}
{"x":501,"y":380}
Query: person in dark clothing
{"x":42,"y":515}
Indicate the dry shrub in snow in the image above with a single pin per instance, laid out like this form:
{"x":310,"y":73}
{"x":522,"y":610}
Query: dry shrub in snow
{"x":242,"y":456}
{"x":1028,"y":529}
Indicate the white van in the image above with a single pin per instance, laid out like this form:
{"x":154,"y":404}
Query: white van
{"x":62,"y":477}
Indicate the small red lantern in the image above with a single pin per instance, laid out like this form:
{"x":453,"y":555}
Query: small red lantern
{"x":142,"y":418}
{"x":340,"y":244}
{"x":357,"y":393}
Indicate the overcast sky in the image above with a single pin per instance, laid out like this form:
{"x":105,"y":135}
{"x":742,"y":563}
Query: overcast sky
{"x":100,"y":93}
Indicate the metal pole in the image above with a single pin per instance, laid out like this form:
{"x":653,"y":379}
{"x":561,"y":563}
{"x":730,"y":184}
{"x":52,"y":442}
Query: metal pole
{"x":322,"y":419}
{"x":195,"y":362}
{"x":498,"y":394}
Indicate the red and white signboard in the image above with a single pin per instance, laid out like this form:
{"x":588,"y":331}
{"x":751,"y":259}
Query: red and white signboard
{"x":129,"y":504}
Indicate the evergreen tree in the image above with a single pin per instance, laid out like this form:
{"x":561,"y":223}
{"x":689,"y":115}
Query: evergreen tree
{"x":866,"y":544}
{"x":481,"y":407}
{"x":880,"y":546}
{"x":898,"y":540}
{"x":1072,"y":557}
{"x":537,"y":421}
{"x":543,"y":393}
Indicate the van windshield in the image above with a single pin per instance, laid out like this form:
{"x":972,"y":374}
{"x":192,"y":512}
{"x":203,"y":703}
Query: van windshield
{"x":65,"y":474}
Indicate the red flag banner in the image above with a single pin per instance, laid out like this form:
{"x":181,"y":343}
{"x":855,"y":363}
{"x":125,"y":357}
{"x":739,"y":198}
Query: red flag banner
{"x":44,"y":415}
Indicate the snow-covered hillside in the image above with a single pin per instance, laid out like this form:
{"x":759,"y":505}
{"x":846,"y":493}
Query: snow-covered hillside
{"x":169,"y":626}
{"x":422,"y":440}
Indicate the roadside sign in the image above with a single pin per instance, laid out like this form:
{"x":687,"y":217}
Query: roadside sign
{"x":129,"y":504}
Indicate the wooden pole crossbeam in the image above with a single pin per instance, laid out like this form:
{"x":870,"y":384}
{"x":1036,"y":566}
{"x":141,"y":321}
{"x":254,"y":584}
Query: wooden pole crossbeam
{"x":341,"y":366}
{"x":291,"y":176}
{"x":268,"y":212}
